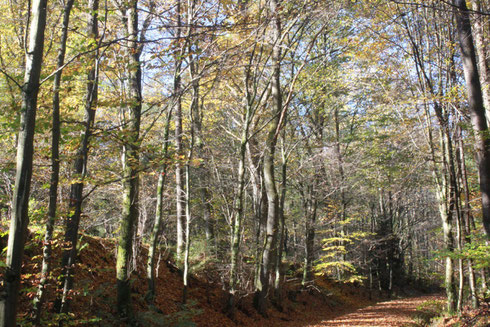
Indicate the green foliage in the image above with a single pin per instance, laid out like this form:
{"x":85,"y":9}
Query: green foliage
{"x":478,"y":250}
{"x":200,"y":256}
{"x":37,"y":211}
{"x":335,"y":248}
{"x":426,"y":313}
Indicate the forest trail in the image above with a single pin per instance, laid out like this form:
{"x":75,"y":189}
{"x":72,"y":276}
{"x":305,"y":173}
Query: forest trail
{"x":397,"y":312}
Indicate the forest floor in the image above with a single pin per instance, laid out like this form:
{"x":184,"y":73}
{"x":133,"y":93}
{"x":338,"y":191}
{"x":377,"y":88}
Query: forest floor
{"x":326,"y":303}
{"x":395,"y":312}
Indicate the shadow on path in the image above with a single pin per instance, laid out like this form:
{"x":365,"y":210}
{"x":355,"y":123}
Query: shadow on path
{"x":392,"y":313}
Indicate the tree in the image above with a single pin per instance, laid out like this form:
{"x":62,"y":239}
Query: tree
{"x":131,"y":162}
{"x":270,"y":149}
{"x":25,"y":148}
{"x":55,"y":161}
{"x":477,"y":110}
{"x":80,"y":168}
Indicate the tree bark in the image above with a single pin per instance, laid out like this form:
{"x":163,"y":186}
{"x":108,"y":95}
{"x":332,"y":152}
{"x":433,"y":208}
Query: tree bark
{"x":131,"y":131}
{"x":467,"y":216}
{"x":476,"y":107}
{"x":79,"y":171}
{"x":239,"y":210}
{"x":269,"y":152}
{"x":310,"y":207}
{"x":482,"y":51}
{"x":55,"y":168}
{"x":179,"y":175}
{"x":279,"y":272}
{"x":25,"y":149}
{"x":155,"y":234}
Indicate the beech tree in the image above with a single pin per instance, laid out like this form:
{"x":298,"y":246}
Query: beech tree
{"x":55,"y":166}
{"x":25,"y":148}
{"x":477,"y":110}
{"x":80,"y":168}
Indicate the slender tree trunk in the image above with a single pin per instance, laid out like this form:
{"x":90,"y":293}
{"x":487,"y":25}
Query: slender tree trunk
{"x":239,"y":210}
{"x":79,"y":172}
{"x":442,"y":190}
{"x":482,"y":51}
{"x":155,"y":234}
{"x":179,"y":178}
{"x":280,"y":244}
{"x":202,"y":171}
{"x":477,"y":110}
{"x":25,"y":149}
{"x":55,"y":168}
{"x":343,"y":202}
{"x":131,"y":131}
{"x":459,"y":232}
{"x":259,"y":204}
{"x":447,"y":227}
{"x":467,"y":215}
{"x":188,"y":218}
{"x":310,"y":220}
{"x":269,"y":152}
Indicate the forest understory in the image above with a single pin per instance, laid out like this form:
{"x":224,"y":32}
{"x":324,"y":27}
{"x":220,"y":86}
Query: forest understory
{"x":324,"y":302}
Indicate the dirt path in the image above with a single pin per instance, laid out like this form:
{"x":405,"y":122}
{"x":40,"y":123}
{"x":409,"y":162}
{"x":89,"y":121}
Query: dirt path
{"x":389,"y":313}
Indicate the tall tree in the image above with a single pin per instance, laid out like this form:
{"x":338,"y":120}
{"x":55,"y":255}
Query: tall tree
{"x":269,"y":152}
{"x":476,"y":107}
{"x":179,"y":174}
{"x":55,"y":162}
{"x":482,"y":51}
{"x":155,"y":233}
{"x":131,"y":161}
{"x":80,"y":167}
{"x":25,"y":148}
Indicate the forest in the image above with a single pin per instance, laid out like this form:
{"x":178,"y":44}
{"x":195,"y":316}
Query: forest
{"x":256,"y":142}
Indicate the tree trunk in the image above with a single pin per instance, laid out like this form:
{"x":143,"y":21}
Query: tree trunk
{"x":55,"y":168}
{"x":188,"y":218}
{"x":179,"y":176}
{"x":79,"y":172}
{"x":239,"y":210}
{"x":269,"y":152}
{"x":259,"y":203}
{"x":310,"y":209}
{"x":343,"y":202}
{"x":467,"y":215}
{"x":131,"y":130}
{"x":155,"y":234}
{"x":482,"y":51}
{"x":477,"y":110}
{"x":282,"y":226}
{"x":25,"y":149}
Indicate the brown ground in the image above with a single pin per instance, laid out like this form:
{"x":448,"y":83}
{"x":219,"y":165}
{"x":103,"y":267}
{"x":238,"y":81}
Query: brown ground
{"x":391,"y":313}
{"x":326,"y":304}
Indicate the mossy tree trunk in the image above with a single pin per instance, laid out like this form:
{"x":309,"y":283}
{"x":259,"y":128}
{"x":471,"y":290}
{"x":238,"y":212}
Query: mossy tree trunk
{"x":131,"y":161}
{"x":25,"y":148}
{"x":55,"y":166}
{"x":80,"y":168}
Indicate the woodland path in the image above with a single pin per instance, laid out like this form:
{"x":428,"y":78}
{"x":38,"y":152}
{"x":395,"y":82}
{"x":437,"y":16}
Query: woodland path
{"x":397,"y":312}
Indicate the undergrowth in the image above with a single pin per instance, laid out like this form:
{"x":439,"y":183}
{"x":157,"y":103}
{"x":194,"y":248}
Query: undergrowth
{"x":426,"y":313}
